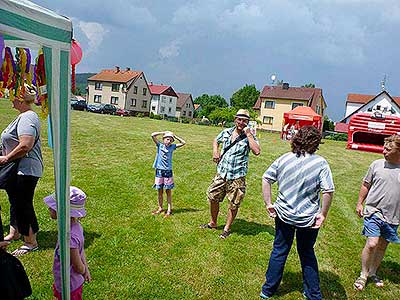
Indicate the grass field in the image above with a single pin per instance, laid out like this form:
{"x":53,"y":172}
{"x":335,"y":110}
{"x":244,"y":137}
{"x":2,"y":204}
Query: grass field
{"x":134,"y":255}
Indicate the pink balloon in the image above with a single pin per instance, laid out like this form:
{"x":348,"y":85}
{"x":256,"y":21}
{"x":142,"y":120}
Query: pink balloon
{"x":76,"y":52}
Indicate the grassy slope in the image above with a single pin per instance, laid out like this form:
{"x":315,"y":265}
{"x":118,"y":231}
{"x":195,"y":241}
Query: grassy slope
{"x":134,"y":255}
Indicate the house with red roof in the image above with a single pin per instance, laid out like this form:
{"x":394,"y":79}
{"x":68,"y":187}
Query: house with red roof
{"x":184,"y":106}
{"x":163,"y":100}
{"x":274,"y":101}
{"x":124,"y":89}
{"x":382,"y":104}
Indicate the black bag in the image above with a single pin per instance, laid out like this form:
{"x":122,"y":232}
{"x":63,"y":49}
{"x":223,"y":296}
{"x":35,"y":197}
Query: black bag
{"x":8,"y":172}
{"x":14,"y":283}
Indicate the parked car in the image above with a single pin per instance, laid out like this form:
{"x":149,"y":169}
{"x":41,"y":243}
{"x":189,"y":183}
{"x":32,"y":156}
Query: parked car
{"x":78,"y":104}
{"x":108,"y":109}
{"x":96,"y":108}
{"x":122,"y":112}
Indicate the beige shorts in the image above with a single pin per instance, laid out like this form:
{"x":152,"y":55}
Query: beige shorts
{"x":234,"y":190}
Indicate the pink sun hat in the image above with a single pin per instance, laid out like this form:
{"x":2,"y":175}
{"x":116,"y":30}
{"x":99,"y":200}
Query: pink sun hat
{"x":77,"y":202}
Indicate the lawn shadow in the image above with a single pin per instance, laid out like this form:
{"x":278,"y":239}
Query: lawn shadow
{"x":390,"y":270}
{"x":331,"y":287}
{"x":48,"y":239}
{"x":185,"y":210}
{"x":243,"y":227}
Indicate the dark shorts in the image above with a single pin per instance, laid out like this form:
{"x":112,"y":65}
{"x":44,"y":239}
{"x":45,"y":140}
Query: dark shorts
{"x":234,"y":190}
{"x":164,"y":180}
{"x":376,"y":227}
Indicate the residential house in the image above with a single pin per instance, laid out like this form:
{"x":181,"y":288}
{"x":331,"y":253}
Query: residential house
{"x":163,"y":100}
{"x":125,"y":89}
{"x":381,"y":104}
{"x":274,"y":101}
{"x":184,"y":106}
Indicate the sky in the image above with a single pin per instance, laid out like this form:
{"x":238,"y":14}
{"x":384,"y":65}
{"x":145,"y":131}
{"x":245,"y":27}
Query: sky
{"x":216,"y":47}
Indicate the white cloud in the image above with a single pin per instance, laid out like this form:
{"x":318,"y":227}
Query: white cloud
{"x":171,"y":50}
{"x":95,"y":32}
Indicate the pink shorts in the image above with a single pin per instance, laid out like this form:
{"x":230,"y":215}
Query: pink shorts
{"x":75,"y":295}
{"x":164,"y":180}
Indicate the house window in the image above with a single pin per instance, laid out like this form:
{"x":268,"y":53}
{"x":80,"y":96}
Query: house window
{"x":153,"y":108}
{"x":269,"y":104}
{"x":268,"y":120}
{"x":144,"y":105}
{"x":97,"y":98}
{"x":189,"y":113}
{"x":98,"y":86}
{"x":169,"y":109}
{"x":114,"y":100}
{"x":184,"y":113}
{"x":135,"y":89}
{"x":170,"y":100}
{"x":187,"y":105}
{"x":318,"y":109}
{"x":162,"y":109}
{"x":115,"y":87}
{"x":295,"y":104}
{"x":378,"y":107}
{"x":144,"y":91}
{"x":133,"y":102}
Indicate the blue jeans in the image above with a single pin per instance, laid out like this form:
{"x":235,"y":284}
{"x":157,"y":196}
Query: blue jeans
{"x":305,"y":237}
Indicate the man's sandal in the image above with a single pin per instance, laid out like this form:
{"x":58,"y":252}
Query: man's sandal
{"x":224,"y":234}
{"x":207,"y":226}
{"x":376,"y":280}
{"x":360,"y":283}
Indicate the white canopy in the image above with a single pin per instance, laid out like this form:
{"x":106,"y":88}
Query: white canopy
{"x":25,"y":24}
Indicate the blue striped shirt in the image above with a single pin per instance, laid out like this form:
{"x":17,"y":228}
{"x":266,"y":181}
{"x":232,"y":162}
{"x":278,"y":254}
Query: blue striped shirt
{"x":300,"y":181}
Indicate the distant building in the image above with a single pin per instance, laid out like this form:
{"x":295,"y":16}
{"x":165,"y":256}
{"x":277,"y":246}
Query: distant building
{"x":163,"y":100}
{"x":274,"y":101}
{"x":184,"y":106}
{"x":382,"y":104}
{"x":125,"y":89}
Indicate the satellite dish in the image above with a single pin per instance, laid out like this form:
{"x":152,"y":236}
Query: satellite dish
{"x":273,"y":77}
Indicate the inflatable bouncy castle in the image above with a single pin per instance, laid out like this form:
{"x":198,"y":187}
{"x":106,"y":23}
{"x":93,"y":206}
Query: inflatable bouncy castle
{"x":367,"y":131}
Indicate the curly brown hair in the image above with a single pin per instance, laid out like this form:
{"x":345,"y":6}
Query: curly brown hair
{"x":394,"y":141}
{"x":306,"y":140}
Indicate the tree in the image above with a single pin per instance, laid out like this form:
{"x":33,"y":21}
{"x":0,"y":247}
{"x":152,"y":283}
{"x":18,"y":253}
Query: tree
{"x":309,"y":85}
{"x":226,"y":114}
{"x":209,"y":103}
{"x":328,"y":125}
{"x":245,"y":97}
{"x":206,"y":100}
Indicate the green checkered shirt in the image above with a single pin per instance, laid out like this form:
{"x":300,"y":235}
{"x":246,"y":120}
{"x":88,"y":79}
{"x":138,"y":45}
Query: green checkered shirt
{"x":234,"y":163}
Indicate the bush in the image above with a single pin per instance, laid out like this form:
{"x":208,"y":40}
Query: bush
{"x":151,"y":116}
{"x":157,"y":117}
{"x":185,"y":120}
{"x":140,"y":115}
{"x":172,"y":119}
{"x":337,"y":137}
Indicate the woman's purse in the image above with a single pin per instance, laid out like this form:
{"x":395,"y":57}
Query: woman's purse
{"x":8,"y":172}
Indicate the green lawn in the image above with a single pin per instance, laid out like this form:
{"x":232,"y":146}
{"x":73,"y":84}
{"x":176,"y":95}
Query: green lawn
{"x":134,"y":255}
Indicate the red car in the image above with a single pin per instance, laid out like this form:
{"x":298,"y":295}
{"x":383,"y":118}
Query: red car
{"x":122,"y":112}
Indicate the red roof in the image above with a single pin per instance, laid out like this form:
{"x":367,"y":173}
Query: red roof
{"x":114,"y":75}
{"x":362,"y":98}
{"x":294,"y":93}
{"x":156,"y":89}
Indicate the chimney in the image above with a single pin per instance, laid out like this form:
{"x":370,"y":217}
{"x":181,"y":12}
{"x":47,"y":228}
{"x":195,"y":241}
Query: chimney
{"x":285,"y":86}
{"x":128,"y":69}
{"x":116,"y":69}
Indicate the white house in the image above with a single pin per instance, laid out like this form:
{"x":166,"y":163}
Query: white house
{"x":163,"y":100}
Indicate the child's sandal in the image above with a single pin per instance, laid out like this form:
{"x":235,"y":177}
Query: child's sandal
{"x":376,"y":280}
{"x":360,"y":283}
{"x":168,"y":214}
{"x":157,"y":212}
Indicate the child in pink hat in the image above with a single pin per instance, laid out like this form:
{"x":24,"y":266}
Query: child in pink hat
{"x":78,"y":269}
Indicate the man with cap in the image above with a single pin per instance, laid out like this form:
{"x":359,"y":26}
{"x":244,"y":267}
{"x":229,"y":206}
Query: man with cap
{"x":232,"y":165}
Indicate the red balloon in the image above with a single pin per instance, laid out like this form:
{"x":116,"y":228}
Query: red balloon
{"x":76,"y":52}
